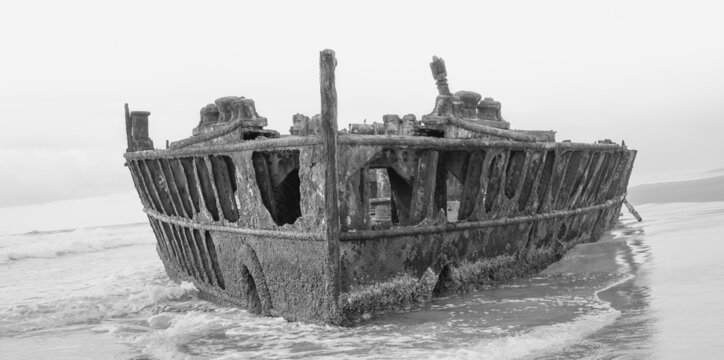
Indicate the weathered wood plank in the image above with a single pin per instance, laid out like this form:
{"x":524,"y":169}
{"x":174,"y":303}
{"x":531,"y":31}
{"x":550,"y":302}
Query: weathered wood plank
{"x":327,"y":64}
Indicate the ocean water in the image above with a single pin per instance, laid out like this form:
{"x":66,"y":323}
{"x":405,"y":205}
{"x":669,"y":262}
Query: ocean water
{"x":651,"y":290}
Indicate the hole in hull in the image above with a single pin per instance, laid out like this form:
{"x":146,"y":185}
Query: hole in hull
{"x":401,"y":192}
{"x":253,"y":302}
{"x":561,"y":232}
{"x":454,"y":190}
{"x":277,"y":177}
{"x":444,"y":282}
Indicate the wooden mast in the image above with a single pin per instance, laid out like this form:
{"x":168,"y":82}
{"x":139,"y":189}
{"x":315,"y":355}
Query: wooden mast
{"x":327,"y":64}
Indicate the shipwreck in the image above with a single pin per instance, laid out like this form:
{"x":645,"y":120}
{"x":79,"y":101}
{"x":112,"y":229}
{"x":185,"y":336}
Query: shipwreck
{"x":328,"y":226}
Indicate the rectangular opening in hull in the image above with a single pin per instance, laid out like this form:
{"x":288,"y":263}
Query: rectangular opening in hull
{"x":277,"y":176}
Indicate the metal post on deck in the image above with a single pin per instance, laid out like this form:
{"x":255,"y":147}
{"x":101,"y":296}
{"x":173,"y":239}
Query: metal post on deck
{"x":327,"y":64}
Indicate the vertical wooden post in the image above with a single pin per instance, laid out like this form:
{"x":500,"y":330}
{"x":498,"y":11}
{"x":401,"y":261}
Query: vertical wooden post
{"x":128,"y":128}
{"x":327,"y":63}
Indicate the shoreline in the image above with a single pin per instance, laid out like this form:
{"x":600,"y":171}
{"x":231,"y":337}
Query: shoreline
{"x":700,"y":190}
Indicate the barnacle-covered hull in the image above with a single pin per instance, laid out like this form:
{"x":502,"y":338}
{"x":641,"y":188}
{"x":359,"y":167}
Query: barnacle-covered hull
{"x":325,"y":226}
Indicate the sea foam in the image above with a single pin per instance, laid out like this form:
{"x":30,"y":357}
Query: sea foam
{"x":115,"y":298}
{"x":55,"y":244}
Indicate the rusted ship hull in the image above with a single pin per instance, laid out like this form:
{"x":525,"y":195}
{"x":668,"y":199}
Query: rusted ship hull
{"x":327,"y":226}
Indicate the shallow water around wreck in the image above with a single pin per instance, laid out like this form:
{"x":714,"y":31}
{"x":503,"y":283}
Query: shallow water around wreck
{"x":646,"y":290}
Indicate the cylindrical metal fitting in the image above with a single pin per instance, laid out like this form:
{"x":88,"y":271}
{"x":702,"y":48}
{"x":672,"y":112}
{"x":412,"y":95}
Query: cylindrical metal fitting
{"x":139,"y":124}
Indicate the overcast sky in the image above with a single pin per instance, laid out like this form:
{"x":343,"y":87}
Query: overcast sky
{"x":649,"y":72}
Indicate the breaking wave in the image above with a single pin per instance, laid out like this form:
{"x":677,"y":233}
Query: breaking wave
{"x":56,"y":244}
{"x":540,"y":339}
{"x":186,"y":328}
{"x":231,"y":334}
{"x":116,"y":299}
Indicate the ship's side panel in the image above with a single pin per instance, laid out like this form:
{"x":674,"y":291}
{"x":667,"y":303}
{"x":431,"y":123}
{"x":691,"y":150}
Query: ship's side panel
{"x":494,"y":184}
{"x":247,"y":226}
{"x":205,"y":209}
{"x":277,"y":190}
{"x":285,"y":276}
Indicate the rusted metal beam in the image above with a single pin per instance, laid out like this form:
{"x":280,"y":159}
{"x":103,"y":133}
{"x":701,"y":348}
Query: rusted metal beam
{"x":173,"y":187}
{"x":250,"y":145}
{"x":472,"y":225}
{"x":148,"y":180}
{"x":167,"y":231}
{"x":423,"y":187}
{"x":128,"y":127}
{"x":445,"y":144}
{"x":419,"y":142}
{"x":327,"y":64}
{"x":471,"y":184}
{"x":170,"y":186}
{"x":205,"y":256}
{"x":489,"y":130}
{"x":213,"y":134}
{"x":365,"y":196}
{"x":371,"y":235}
{"x":275,"y":234}
{"x":178,"y":169}
{"x":632,"y":210}
{"x":203,"y":203}
{"x":178,"y":232}
{"x":212,"y":182}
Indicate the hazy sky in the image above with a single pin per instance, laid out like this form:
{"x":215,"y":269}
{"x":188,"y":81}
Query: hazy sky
{"x":648,"y":72}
